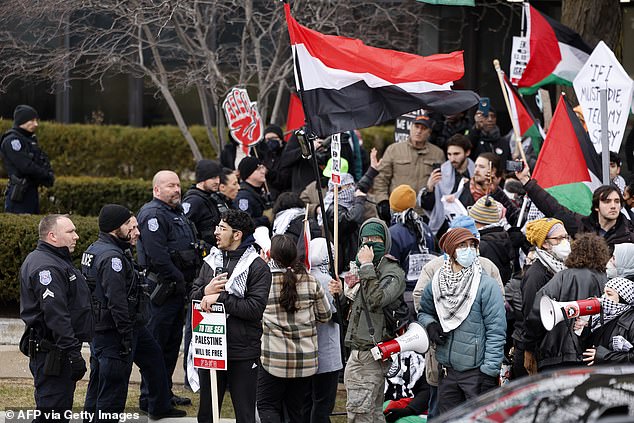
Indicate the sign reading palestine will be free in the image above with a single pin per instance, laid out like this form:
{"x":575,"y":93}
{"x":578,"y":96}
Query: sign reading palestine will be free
{"x":209,"y":337}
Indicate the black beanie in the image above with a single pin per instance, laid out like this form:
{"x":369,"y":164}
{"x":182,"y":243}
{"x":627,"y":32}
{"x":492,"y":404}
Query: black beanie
{"x":112,"y":216}
{"x":247,"y":166}
{"x":276,"y":130}
{"x":23,"y":114}
{"x":207,"y":169}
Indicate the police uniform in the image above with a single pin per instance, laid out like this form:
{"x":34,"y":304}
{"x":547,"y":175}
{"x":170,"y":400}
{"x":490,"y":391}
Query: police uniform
{"x":252,"y":201}
{"x":166,"y":252}
{"x":201,"y":210}
{"x":28,"y":167}
{"x":222,"y":202}
{"x":121,"y":337}
{"x":55,"y":306}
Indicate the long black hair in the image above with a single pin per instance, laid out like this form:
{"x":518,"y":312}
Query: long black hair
{"x":284,"y":252}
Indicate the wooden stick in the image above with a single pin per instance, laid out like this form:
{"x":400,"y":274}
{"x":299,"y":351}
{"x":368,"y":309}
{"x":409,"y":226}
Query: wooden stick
{"x":516,"y":124}
{"x":215,"y":411}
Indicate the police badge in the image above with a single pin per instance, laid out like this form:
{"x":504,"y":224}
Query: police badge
{"x":45,"y":277}
{"x":116,"y":264}
{"x":16,"y":145}
{"x":186,"y":207}
{"x":153,"y":224}
{"x":243,"y":204}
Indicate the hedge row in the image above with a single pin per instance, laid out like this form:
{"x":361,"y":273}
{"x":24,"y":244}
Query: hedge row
{"x":85,"y":196}
{"x":110,"y":150}
{"x":19,"y":238}
{"x":127,"y":152}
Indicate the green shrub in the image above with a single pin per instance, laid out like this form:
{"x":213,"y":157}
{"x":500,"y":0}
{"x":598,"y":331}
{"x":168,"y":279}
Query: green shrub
{"x":128,"y":152}
{"x":19,"y":238}
{"x":86,"y":195}
{"x":121,"y":151}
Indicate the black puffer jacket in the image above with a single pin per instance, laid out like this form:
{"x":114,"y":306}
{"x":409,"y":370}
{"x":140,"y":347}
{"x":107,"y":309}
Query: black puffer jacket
{"x":561,"y":345}
{"x":620,"y":233}
{"x":244,"y":321}
{"x":495,"y":244}
{"x":602,"y":338}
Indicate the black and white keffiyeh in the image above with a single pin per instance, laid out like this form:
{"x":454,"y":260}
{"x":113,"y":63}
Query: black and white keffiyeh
{"x":610,"y":309}
{"x":237,"y":282}
{"x":284,"y":218}
{"x":551,"y":262}
{"x":454,"y":293}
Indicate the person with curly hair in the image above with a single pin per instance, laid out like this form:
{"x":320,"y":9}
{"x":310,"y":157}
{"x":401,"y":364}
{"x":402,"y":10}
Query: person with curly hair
{"x":584,"y":277}
{"x":296,"y":303}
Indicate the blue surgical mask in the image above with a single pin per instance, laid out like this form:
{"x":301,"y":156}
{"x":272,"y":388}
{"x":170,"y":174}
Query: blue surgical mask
{"x":465,"y":256}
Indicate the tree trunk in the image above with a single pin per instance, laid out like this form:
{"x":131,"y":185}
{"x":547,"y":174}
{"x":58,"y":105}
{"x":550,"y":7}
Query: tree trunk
{"x":595,"y":20}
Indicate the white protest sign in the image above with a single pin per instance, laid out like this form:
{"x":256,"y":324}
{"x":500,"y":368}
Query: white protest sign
{"x":209,"y":337}
{"x":335,"y":151}
{"x":519,"y":58}
{"x":603,"y":71}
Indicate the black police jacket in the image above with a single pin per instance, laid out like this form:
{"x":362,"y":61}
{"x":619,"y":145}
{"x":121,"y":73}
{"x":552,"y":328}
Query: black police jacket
{"x":244,"y":315}
{"x":111,"y":275}
{"x":223,"y":203}
{"x":251,"y":200}
{"x":202,"y":211}
{"x":55,"y":298}
{"x":167,"y":242}
{"x":23,"y":157}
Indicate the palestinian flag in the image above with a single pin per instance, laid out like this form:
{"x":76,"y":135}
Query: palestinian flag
{"x":556,"y":52}
{"x":523,"y":118}
{"x":568,"y":166}
{"x":346,"y":85}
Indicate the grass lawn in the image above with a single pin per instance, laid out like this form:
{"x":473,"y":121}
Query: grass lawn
{"x":18,"y":393}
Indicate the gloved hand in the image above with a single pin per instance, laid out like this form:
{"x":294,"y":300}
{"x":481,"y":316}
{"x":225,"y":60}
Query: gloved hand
{"x":77,"y":366}
{"x":383,"y":210}
{"x":393,"y":414}
{"x":487,"y":382}
{"x":435,"y":333}
{"x":126,"y":345}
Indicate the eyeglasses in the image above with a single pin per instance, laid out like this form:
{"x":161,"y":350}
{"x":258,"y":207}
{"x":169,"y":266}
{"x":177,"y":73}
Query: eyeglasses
{"x":224,"y":229}
{"x":558,"y":239}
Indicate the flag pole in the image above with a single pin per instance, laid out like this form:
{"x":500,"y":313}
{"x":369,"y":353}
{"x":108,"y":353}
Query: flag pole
{"x":516,"y":129}
{"x":322,"y":207}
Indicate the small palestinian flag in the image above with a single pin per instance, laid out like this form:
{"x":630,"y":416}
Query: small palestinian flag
{"x":522,"y":117}
{"x":568,"y":166}
{"x":556,"y":52}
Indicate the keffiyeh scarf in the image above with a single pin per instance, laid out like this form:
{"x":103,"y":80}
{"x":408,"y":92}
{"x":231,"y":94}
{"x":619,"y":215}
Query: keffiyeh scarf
{"x":237,"y":283}
{"x":551,"y":262}
{"x":454,"y":293}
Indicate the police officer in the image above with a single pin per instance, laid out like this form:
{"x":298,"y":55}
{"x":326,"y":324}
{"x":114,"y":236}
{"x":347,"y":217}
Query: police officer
{"x":198,"y":205}
{"x":27,"y":165}
{"x":252,"y":198}
{"x":55,"y":306}
{"x":121,"y":337}
{"x":166,"y":252}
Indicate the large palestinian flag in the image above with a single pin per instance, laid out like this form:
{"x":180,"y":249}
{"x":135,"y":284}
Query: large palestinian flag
{"x":568,"y":166}
{"x":523,"y":118}
{"x":556,"y":52}
{"x":346,"y":85}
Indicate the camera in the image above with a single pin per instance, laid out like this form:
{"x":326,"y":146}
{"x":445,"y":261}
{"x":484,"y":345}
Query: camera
{"x":514,"y":166}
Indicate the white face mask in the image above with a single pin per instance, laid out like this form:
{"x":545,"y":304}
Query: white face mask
{"x":610,"y":270}
{"x":561,"y":250}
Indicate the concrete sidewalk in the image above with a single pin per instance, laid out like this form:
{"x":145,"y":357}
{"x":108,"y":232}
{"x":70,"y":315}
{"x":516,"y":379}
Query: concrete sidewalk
{"x":16,"y":365}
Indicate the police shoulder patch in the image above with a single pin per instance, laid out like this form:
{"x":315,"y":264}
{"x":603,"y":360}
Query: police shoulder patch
{"x":16,"y":144}
{"x":153,"y":224}
{"x":243,"y":204}
{"x":116,"y":264}
{"x":45,"y":277}
{"x":186,"y":207}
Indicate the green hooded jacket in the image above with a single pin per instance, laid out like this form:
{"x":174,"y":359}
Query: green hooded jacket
{"x":382,"y":285}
